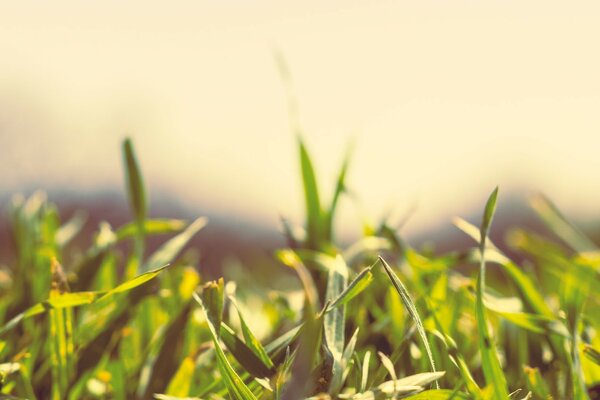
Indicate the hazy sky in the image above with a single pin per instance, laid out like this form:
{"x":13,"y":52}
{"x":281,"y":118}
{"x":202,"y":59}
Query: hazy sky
{"x":445,"y":99}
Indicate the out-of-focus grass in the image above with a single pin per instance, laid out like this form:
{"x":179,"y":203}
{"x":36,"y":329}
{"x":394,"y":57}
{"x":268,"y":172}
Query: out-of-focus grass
{"x":378,"y":319}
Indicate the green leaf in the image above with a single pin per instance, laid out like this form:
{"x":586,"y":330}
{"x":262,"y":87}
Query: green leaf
{"x":243,"y":353}
{"x":68,"y":300}
{"x":358,"y":284}
{"x":334,"y":322}
{"x":151,"y":227}
{"x":410,"y":307}
{"x":251,"y":340}
{"x":168,"y":251}
{"x":135,"y":185}
{"x":492,"y":370}
{"x":311,"y":197}
{"x":135,"y":282}
{"x":235,"y":385}
{"x":212,"y":298}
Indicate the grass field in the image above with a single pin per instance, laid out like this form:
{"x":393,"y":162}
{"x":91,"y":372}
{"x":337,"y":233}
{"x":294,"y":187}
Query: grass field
{"x":374,"y":320}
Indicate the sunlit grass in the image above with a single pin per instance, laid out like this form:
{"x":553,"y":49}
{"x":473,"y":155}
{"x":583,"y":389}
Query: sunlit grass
{"x":376,"y":320}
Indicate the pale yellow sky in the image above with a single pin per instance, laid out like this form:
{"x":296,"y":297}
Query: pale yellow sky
{"x":445,"y":99}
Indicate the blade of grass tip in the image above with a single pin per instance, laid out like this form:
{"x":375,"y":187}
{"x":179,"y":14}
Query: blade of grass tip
{"x":492,"y":370}
{"x":334,"y":322}
{"x":559,"y":224}
{"x":389,"y":365}
{"x":412,"y":310}
{"x":311,"y":197}
{"x":365,"y":372}
{"x":211,"y":304}
{"x":137,"y":197}
{"x":358,"y":284}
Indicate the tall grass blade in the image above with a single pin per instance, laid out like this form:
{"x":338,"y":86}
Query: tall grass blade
{"x":492,"y":370}
{"x":135,"y":184}
{"x":137,"y":200}
{"x":410,"y":307}
{"x":314,"y":217}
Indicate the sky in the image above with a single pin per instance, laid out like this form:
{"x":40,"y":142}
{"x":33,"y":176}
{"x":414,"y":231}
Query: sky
{"x":443,"y":101}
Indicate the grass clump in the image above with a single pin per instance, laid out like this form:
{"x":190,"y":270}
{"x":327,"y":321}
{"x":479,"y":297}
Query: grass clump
{"x":376,"y":320}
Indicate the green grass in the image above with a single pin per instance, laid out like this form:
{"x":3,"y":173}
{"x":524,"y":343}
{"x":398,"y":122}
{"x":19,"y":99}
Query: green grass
{"x":376,"y":320}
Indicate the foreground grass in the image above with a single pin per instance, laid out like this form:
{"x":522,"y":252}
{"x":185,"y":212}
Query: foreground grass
{"x":376,"y":320}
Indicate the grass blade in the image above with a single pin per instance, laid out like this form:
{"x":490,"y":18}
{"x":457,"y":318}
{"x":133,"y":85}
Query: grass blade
{"x":365,"y":372}
{"x":251,"y":340}
{"x":137,"y":200}
{"x":410,"y":307}
{"x":151,"y":227}
{"x":334,"y":321}
{"x":244,"y":354}
{"x":168,"y":251}
{"x":69,"y":300}
{"x":528,"y":290}
{"x":211,"y":304}
{"x":135,"y":185}
{"x":492,"y":370}
{"x":311,"y":197}
{"x":358,"y":284}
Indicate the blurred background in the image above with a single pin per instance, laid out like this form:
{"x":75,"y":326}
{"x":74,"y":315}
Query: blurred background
{"x":443,"y":101}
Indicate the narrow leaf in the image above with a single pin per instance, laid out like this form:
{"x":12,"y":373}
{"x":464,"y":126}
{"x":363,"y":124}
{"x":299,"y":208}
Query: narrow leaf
{"x":311,"y":197}
{"x":410,"y":307}
{"x":494,"y":376}
{"x":168,"y":251}
{"x":235,"y":385}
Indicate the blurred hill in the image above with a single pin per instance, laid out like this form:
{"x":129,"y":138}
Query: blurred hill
{"x":231,"y":238}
